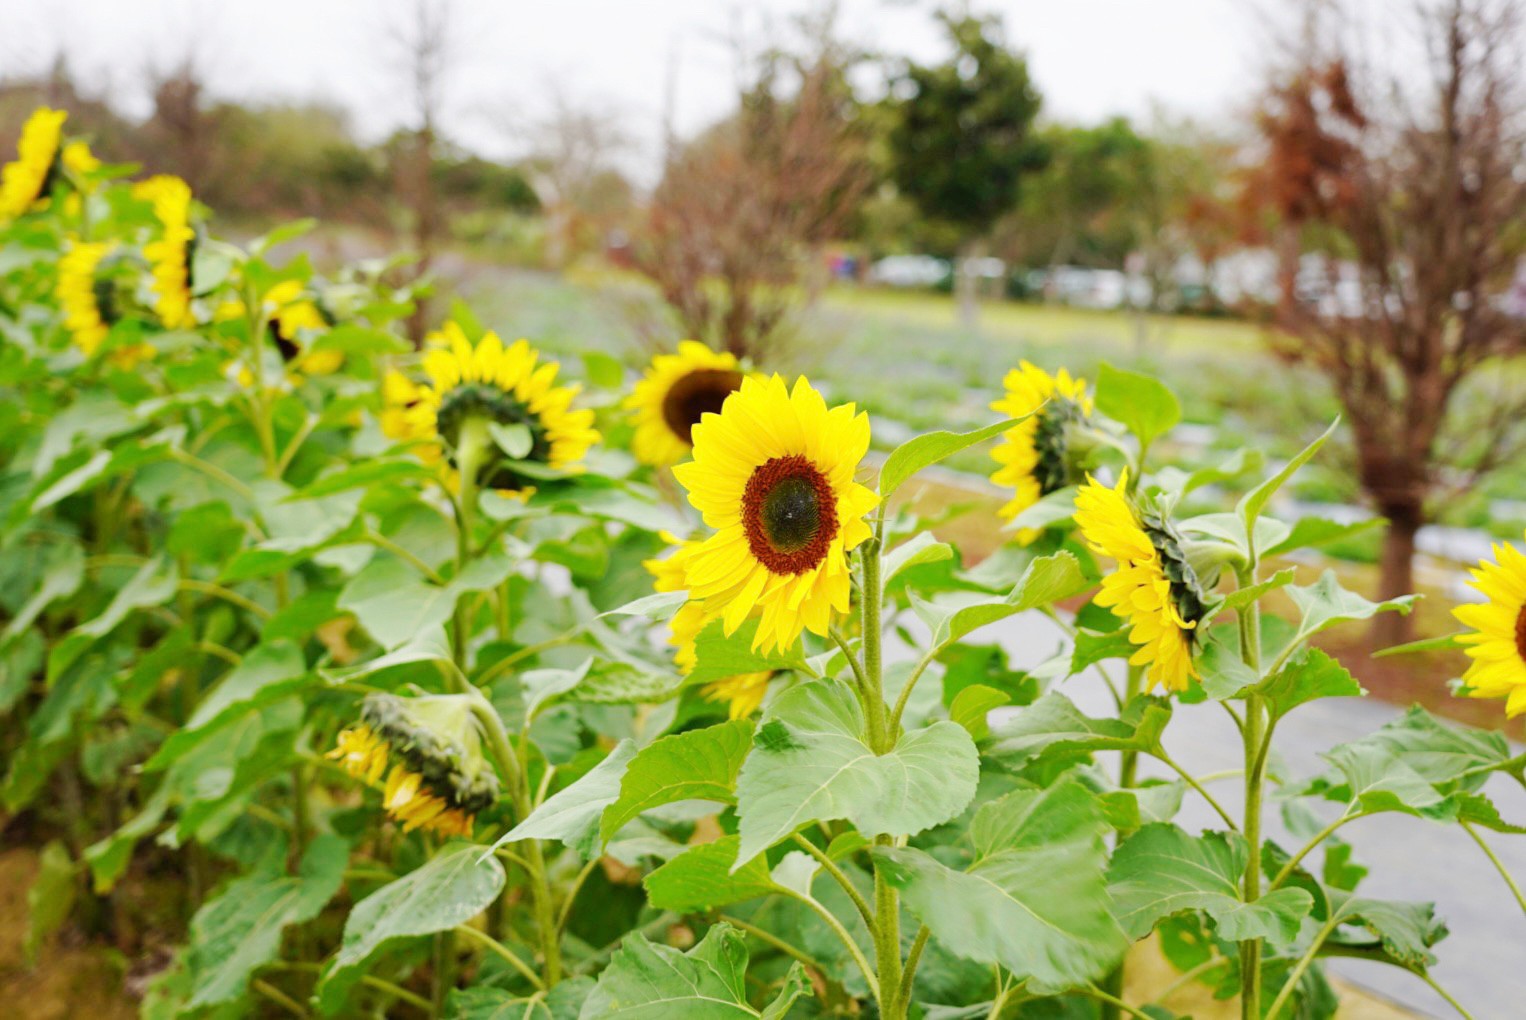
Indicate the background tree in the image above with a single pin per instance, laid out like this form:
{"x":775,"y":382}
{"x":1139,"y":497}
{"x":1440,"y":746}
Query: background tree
{"x":1413,"y":199}
{"x":961,"y":137}
{"x":734,"y":227}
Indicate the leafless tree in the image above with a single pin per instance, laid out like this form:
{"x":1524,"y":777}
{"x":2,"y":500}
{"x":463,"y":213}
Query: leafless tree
{"x":733,"y":228}
{"x":1398,"y":208}
{"x":423,"y":46}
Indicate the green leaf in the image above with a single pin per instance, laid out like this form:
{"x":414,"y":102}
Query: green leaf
{"x":971,"y":706}
{"x":49,"y":898}
{"x":694,"y":765}
{"x":720,"y":657}
{"x":809,"y":763}
{"x":1057,"y":506}
{"x":572,"y":815}
{"x":952,"y":615}
{"x":239,"y":931}
{"x":1253,"y":502}
{"x":604,"y":372}
{"x":155,"y":583}
{"x":394,"y":603}
{"x":363,"y":476}
{"x":1444,"y":643}
{"x":483,"y":1002}
{"x":1160,"y":871}
{"x":453,"y":887}
{"x":1035,"y":901}
{"x":1242,"y":597}
{"x":1308,"y":676}
{"x":645,"y":981}
{"x":1141,"y":403}
{"x":514,"y":440}
{"x":926,"y":450}
{"x":1311,"y":532}
{"x":1402,"y":932}
{"x":266,"y":671}
{"x":701,"y":879}
{"x":1054,"y":723}
{"x":425,"y":646}
{"x":61,"y":577}
{"x":920,"y":548}
{"x":1136,"y":806}
{"x":1325,"y":603}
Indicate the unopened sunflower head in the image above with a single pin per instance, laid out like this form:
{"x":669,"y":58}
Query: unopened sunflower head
{"x":676,"y":391}
{"x":425,"y":755}
{"x":1040,"y":454}
{"x":26,"y":180}
{"x":480,"y":397}
{"x":773,"y":474}
{"x":1154,"y":589}
{"x":1496,"y":640}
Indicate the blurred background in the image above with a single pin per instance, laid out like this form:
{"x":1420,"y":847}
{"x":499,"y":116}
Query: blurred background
{"x":1288,"y":209}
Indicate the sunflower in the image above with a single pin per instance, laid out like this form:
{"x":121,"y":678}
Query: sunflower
{"x":1033,"y":454}
{"x":425,"y":755}
{"x":471,"y":388}
{"x":1497,"y":643}
{"x":170,"y":254}
{"x":1154,"y":590}
{"x":773,"y":474}
{"x":290,"y":312}
{"x":676,"y":391}
{"x":25,"y":181}
{"x":85,"y":313}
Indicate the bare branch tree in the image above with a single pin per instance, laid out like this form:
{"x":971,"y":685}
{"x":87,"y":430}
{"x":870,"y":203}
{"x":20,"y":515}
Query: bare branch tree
{"x":1398,"y":211}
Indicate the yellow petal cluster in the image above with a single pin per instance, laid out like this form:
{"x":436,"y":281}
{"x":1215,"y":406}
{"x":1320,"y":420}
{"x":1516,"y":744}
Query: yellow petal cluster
{"x":170,"y":253}
{"x":1138,"y":591}
{"x":1496,"y":644}
{"x":1028,"y":388}
{"x":76,"y":295}
{"x":23,"y":180}
{"x":777,"y":462}
{"x":672,"y":396}
{"x":365,"y":756}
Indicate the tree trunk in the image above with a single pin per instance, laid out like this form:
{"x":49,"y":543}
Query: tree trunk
{"x":1397,"y":571}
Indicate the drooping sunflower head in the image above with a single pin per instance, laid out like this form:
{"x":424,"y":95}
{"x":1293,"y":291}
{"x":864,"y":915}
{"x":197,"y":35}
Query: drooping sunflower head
{"x":1497,"y":642}
{"x":26,"y":180}
{"x":425,"y":755}
{"x":87,"y":301}
{"x":676,"y":391}
{"x":170,"y":253}
{"x":1154,"y":590}
{"x":1034,"y":457}
{"x":773,"y":475}
{"x":471,"y":389}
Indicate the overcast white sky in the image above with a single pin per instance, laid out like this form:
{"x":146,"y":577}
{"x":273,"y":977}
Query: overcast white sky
{"x":1091,"y":58}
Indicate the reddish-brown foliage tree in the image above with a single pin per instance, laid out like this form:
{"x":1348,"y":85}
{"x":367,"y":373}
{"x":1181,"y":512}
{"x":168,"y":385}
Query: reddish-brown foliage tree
{"x":1398,"y":210}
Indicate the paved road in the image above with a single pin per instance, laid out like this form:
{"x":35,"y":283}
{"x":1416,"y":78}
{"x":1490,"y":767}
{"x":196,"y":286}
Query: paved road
{"x":1483,"y":961}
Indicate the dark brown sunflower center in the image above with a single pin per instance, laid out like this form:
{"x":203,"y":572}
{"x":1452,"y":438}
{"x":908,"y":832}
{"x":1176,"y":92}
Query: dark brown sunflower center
{"x":696,"y":394}
{"x":1520,"y":633}
{"x":789,"y":514}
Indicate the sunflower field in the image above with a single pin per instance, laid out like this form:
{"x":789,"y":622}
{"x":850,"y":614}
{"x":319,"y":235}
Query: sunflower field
{"x":435,"y":683}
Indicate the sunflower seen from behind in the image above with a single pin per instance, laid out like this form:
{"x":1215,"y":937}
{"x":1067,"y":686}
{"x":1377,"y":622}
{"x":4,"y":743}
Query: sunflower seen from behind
{"x":25,"y":181}
{"x":1496,"y":643}
{"x":79,"y":296}
{"x":772,"y":474}
{"x":676,"y":391}
{"x":1033,"y":456}
{"x":472,"y":387}
{"x":1154,"y":590}
{"x":169,"y":254}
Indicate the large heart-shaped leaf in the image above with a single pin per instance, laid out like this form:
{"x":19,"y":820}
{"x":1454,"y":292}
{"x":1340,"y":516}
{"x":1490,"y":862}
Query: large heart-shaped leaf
{"x":1035,"y":901}
{"x":572,"y":815}
{"x":695,"y":765}
{"x":1054,"y":723}
{"x":810,"y":763}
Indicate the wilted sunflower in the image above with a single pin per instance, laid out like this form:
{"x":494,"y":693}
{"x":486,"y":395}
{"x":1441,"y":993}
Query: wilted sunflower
{"x":471,"y":388}
{"x":743,"y":694}
{"x":773,"y":474}
{"x":425,"y":754}
{"x":1497,"y":643}
{"x":85,"y":305}
{"x":26,"y":180}
{"x":1154,"y":590}
{"x":1033,"y":454}
{"x":170,"y":254}
{"x":676,"y":391}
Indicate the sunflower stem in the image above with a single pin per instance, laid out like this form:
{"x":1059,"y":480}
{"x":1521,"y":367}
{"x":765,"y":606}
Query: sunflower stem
{"x":1257,"y":742}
